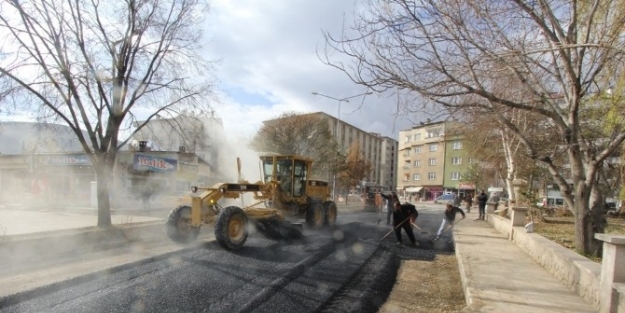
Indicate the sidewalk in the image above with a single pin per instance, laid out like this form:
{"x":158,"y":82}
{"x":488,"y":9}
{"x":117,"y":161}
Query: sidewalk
{"x":498,"y":277}
{"x":26,"y":221}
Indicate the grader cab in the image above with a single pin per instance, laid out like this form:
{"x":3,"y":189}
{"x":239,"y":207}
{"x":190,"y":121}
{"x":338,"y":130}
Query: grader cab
{"x":285,"y":194}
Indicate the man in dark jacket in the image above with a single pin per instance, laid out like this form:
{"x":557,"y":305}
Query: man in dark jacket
{"x":403,"y":216}
{"x":449,"y":218}
{"x":481,"y":202}
{"x":390,"y":205}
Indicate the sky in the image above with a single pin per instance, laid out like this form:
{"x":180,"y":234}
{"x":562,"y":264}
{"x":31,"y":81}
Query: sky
{"x":267,"y":64}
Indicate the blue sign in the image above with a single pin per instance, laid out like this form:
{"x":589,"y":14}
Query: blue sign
{"x":142,"y":162}
{"x":69,"y":159}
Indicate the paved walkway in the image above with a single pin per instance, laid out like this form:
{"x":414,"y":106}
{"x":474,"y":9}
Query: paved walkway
{"x":499,"y":277}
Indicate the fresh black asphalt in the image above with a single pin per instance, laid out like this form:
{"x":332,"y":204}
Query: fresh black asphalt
{"x":345,"y":269}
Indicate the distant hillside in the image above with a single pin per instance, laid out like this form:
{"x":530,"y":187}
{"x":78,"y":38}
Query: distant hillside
{"x":27,"y":137}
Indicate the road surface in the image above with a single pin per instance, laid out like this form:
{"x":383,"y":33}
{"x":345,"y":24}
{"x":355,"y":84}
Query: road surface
{"x":346,"y":268}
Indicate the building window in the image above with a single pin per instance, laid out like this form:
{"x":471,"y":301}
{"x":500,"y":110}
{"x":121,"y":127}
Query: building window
{"x":433,"y":133}
{"x":417,"y":137}
{"x":417,"y":149}
{"x":432,"y":161}
{"x":406,"y":177}
{"x":417,"y":163}
{"x":472,"y":160}
{"x":456,"y":160}
{"x":406,"y":165}
{"x":433,"y":146}
{"x":455,"y":176}
{"x":431,"y":176}
{"x":417,"y":177}
{"x":408,"y":138}
{"x":457,"y":145}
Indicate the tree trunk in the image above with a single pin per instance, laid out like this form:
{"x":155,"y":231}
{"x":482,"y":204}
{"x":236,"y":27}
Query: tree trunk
{"x":104,"y":205}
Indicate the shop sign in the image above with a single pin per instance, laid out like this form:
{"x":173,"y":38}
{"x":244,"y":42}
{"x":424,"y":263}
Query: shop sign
{"x":466,"y":186}
{"x":144,"y":162}
{"x":69,"y":159}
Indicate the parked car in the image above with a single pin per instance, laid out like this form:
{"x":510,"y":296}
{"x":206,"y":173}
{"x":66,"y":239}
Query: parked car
{"x":445,"y":198}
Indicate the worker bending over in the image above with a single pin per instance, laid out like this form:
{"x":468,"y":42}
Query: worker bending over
{"x":450,"y":216}
{"x":404,"y":215}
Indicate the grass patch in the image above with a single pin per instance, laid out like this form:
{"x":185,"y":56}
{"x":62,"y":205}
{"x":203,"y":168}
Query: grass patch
{"x":564,"y":233}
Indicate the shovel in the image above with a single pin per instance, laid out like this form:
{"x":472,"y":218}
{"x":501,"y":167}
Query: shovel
{"x":392,"y":230}
{"x":419,"y":228}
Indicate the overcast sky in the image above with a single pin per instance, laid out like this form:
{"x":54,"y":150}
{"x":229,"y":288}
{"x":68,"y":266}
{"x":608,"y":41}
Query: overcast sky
{"x":267,"y":64}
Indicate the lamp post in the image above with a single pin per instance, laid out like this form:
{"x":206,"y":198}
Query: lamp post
{"x":336,"y":131}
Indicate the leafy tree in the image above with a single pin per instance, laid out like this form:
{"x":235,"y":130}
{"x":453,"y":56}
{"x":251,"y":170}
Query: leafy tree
{"x":451,"y":54}
{"x":354,"y":168}
{"x":98,"y":65}
{"x":308,"y":135}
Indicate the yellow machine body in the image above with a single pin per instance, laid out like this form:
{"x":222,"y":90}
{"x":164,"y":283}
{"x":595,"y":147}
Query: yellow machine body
{"x":286,"y":191}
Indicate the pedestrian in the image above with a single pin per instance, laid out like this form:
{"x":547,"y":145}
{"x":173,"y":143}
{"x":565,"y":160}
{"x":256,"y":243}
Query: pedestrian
{"x":450,"y":216}
{"x":481,"y":203}
{"x":390,"y":205}
{"x":457,"y":200}
{"x":469,"y":202}
{"x":404,"y":215}
{"x":379,"y":202}
{"x":146,"y":194}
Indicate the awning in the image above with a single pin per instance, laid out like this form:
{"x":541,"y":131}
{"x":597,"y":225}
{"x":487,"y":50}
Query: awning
{"x":413,"y":189}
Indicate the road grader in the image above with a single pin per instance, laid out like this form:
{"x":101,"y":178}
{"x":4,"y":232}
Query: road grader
{"x":284,"y":195}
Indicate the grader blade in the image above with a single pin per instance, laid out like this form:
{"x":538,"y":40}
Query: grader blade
{"x":275,"y":229}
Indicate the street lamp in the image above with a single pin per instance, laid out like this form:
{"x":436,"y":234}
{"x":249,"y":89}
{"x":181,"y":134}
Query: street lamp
{"x":336,"y":131}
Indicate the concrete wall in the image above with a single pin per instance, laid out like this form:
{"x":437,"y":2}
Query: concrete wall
{"x":577,"y":272}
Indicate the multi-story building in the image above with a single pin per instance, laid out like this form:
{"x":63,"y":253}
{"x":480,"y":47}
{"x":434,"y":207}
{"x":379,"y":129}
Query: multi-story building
{"x":430,"y":163}
{"x":378,"y":150}
{"x":388,"y":168}
{"x":457,"y":162}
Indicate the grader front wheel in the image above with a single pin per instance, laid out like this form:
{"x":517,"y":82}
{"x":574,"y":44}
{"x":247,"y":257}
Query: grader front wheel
{"x":178,"y":225}
{"x":231,"y":228}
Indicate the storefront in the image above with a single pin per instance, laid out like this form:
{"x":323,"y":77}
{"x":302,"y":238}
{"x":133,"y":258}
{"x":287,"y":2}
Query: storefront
{"x":66,"y":178}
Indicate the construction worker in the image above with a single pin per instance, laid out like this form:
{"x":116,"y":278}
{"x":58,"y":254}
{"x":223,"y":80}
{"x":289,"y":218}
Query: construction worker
{"x":450,"y":216}
{"x":391,"y":198}
{"x":405,"y":215}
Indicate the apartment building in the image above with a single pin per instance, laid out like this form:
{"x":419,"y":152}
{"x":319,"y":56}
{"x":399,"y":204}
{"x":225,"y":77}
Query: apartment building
{"x":457,"y":162}
{"x":431,"y":161}
{"x":379,"y":150}
{"x":421,"y":159}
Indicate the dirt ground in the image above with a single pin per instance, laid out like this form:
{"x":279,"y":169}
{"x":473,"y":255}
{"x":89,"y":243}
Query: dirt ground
{"x":427,"y":286}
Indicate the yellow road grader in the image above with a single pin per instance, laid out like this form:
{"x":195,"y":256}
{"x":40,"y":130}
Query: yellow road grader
{"x":284,"y":194}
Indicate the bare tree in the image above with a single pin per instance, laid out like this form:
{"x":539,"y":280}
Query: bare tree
{"x":452,"y":53}
{"x":97,"y":66}
{"x":354,"y":167}
{"x":307,"y":135}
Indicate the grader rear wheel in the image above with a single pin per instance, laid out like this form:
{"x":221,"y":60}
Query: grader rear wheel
{"x":231,"y":228}
{"x":315,"y":215}
{"x":178,"y":225}
{"x":330,"y":212}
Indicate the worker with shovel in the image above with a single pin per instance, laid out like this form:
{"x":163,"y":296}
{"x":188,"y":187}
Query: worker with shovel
{"x":450,"y":216}
{"x":404,"y":215}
